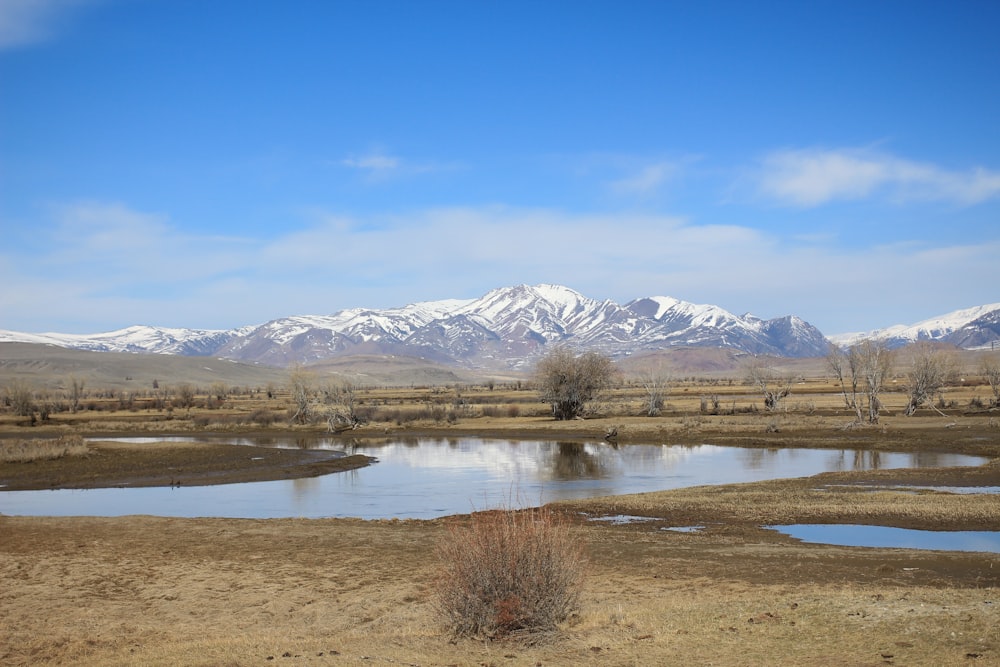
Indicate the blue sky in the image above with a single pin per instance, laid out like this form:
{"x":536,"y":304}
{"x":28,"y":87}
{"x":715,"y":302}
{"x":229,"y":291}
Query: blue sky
{"x":217,"y":164}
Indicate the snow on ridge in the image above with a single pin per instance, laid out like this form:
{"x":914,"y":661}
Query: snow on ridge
{"x":664,"y":304}
{"x":955,"y":319}
{"x":931,"y":328}
{"x":516,"y":317}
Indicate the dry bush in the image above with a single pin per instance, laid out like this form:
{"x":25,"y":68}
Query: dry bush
{"x":509,"y":573}
{"x":24,"y":451}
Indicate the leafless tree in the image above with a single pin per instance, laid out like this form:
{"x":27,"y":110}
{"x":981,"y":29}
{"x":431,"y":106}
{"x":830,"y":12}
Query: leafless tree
{"x":876,"y":367}
{"x":845,"y":371}
{"x":932,"y":368}
{"x":302,"y":386}
{"x":772,"y":386}
{"x":184,"y":395}
{"x":219,"y":390}
{"x":568,"y":382}
{"x":339,"y":404}
{"x":990,"y":369}
{"x":75,"y":393}
{"x":656,"y":383}
{"x":866,"y":366}
{"x":20,"y":397}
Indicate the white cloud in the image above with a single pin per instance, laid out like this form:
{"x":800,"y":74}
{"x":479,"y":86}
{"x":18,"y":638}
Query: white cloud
{"x":24,"y":22}
{"x":812,"y":177}
{"x":110,"y":266}
{"x":378,"y":165}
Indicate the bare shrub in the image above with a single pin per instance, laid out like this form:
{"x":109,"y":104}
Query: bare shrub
{"x":656,"y":383}
{"x":508,"y":573}
{"x":20,"y":398}
{"x":184,"y":396}
{"x":263,"y":417}
{"x":773,"y":387}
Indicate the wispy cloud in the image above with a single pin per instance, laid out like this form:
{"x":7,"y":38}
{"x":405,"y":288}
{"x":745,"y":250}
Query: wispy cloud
{"x":813,"y":177}
{"x":647,"y":180}
{"x":373,"y":162}
{"x":25,"y":22}
{"x":379,"y":165}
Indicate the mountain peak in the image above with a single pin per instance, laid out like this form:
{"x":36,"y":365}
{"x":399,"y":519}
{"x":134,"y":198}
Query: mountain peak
{"x":507,"y":327}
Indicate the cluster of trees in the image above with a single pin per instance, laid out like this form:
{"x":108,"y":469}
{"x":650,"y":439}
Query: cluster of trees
{"x":572,"y":384}
{"x":862,"y":371}
{"x":313,"y":402}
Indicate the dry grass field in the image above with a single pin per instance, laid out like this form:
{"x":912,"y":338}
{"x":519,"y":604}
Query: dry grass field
{"x":140,"y":590}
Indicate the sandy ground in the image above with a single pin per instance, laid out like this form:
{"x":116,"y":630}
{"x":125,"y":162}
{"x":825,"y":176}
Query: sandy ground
{"x":158,"y":591}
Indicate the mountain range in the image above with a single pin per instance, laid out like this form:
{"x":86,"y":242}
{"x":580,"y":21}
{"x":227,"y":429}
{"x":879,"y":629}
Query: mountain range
{"x":510,"y":327}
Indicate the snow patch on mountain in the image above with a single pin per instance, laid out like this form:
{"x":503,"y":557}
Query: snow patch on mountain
{"x":510,"y":327}
{"x":939,"y":327}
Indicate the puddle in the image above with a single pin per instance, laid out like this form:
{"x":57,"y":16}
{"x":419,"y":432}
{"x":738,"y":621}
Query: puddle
{"x":951,"y":489}
{"x":621,"y":519}
{"x":909,"y":488}
{"x":684,"y":529}
{"x":848,"y":535}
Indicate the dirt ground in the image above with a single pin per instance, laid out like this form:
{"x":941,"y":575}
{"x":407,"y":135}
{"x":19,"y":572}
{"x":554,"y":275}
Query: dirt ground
{"x":141,"y":590}
{"x":113,"y":464}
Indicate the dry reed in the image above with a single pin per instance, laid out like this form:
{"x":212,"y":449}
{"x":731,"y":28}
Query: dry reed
{"x":26,"y":450}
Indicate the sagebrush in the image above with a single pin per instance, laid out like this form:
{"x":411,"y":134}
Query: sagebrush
{"x":509,"y":572}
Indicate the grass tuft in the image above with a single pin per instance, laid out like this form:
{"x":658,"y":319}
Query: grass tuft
{"x":25,"y":451}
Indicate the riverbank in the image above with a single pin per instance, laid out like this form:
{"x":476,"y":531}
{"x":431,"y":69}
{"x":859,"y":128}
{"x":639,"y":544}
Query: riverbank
{"x":163,"y":591}
{"x":125,"y":464}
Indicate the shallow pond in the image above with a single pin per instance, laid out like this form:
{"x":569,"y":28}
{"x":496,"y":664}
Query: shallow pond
{"x":852,"y":535}
{"x":427,"y":478}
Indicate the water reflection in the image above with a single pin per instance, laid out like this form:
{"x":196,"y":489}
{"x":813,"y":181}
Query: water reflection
{"x":573,"y":461}
{"x":431,"y":477}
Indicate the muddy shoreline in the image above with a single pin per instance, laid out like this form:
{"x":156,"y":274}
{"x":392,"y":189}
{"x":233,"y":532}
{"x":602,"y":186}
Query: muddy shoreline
{"x":116,"y":464}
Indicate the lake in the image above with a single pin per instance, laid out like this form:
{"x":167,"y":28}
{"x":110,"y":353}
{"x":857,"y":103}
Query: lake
{"x":432,"y":477}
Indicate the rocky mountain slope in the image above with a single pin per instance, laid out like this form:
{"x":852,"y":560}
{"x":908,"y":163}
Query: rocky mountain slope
{"x":510,"y":327}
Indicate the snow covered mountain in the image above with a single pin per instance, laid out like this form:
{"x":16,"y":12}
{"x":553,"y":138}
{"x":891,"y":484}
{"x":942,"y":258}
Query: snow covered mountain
{"x":506,"y":328}
{"x":968,"y":328}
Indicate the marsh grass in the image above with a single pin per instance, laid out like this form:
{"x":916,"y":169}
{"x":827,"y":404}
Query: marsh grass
{"x":25,"y":451}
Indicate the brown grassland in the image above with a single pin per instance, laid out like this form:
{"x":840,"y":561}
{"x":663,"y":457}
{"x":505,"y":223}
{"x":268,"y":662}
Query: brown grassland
{"x":141,"y":590}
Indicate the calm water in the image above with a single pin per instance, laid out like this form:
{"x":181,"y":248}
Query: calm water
{"x":880,"y":536}
{"x":429,"y":478}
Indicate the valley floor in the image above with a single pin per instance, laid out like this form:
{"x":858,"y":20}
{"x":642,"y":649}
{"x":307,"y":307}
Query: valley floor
{"x":141,"y":590}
